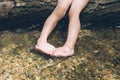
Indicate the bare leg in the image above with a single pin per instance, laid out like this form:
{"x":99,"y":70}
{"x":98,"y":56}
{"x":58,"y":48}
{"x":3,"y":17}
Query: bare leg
{"x":58,"y":13}
{"x":74,"y":27}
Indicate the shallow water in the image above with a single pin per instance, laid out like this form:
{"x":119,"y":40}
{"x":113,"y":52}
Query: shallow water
{"x":97,"y":56}
{"x":97,"y":53}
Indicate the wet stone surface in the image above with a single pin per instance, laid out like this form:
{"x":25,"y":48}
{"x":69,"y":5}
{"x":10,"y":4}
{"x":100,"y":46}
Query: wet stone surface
{"x":97,"y":56}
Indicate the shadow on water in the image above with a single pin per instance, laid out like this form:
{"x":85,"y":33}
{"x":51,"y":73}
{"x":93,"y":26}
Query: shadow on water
{"x":24,"y":22}
{"x":109,"y":21}
{"x":36,"y":21}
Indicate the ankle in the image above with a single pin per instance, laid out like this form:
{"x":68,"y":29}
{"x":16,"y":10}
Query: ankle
{"x":41,"y":40}
{"x":68,"y":47}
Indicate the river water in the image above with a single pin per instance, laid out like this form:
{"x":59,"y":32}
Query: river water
{"x":97,"y":53}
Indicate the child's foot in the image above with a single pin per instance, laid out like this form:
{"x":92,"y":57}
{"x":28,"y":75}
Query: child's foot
{"x":45,"y":47}
{"x":63,"y":52}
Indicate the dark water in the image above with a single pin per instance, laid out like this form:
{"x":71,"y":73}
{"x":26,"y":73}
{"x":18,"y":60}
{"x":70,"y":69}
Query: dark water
{"x":33,"y":22}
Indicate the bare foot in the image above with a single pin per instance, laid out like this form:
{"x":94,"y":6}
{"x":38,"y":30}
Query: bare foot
{"x":63,"y":52}
{"x":45,"y":47}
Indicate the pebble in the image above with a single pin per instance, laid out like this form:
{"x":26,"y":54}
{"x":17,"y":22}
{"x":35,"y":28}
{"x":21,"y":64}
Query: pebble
{"x":19,"y":62}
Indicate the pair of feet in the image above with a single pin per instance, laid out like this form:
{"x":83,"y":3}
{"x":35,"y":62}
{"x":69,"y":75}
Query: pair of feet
{"x":49,"y":49}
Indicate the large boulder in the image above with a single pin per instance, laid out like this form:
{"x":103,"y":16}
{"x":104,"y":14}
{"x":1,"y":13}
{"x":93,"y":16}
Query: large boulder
{"x":17,"y":9}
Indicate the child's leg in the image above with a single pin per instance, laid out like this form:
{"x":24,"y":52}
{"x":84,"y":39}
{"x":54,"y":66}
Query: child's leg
{"x":57,"y":14}
{"x":74,"y":27}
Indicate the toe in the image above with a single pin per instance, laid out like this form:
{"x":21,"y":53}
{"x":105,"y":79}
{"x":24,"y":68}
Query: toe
{"x":36,"y":47}
{"x":52,"y":47}
{"x":56,"y":53}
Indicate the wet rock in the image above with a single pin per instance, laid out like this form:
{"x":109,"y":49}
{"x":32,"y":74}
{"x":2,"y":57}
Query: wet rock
{"x":85,"y":33}
{"x":116,"y":46}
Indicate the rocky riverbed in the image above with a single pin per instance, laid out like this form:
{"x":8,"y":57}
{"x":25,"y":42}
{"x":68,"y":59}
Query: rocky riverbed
{"x":97,"y":56}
